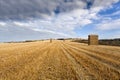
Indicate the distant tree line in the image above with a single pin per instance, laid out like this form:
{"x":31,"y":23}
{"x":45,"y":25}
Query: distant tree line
{"x":112,"y":42}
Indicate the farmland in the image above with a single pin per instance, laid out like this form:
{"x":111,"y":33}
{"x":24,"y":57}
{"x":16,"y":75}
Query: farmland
{"x":58,"y":60}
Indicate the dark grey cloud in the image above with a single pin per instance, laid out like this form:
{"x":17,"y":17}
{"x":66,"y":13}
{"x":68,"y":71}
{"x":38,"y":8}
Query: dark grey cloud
{"x":25,"y":9}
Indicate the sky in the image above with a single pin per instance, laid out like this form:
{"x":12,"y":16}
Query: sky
{"x":43,"y":19}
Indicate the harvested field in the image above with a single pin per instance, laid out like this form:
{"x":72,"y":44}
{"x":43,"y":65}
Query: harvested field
{"x":58,"y":61}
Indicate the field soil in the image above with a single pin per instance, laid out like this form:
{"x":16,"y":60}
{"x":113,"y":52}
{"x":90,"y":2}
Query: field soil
{"x":59,"y":60}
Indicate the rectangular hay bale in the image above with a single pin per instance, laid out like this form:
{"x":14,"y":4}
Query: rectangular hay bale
{"x":93,"y":40}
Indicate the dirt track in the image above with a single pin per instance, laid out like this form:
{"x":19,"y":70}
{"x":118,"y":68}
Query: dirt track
{"x":58,"y":61}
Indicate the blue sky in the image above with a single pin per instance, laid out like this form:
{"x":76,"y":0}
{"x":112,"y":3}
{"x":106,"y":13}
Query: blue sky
{"x":107,"y":15}
{"x":38,"y":19}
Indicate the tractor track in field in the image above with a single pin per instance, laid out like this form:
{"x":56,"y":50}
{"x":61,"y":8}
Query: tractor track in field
{"x":78,"y":68}
{"x":112,"y":66}
{"x":114,"y":56}
{"x":106,"y":61}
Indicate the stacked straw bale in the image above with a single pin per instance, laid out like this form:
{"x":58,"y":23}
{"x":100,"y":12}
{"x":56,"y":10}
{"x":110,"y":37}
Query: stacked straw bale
{"x":50,"y":40}
{"x":93,"y":40}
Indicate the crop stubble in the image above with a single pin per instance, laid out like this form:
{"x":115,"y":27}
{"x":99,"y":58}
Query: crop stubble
{"x":58,"y":61}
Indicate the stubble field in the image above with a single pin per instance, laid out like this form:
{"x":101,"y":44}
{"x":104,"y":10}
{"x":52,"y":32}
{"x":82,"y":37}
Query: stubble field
{"x":58,"y":60}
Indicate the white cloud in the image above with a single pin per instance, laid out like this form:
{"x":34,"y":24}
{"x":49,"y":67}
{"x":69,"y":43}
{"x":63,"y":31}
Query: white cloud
{"x":109,"y":25}
{"x":2,"y":23}
{"x":104,"y":2}
{"x":62,"y":25}
{"x":116,"y":13}
{"x":51,"y":32}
